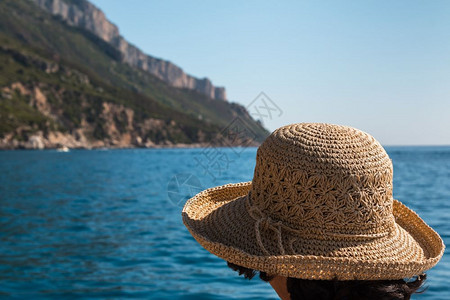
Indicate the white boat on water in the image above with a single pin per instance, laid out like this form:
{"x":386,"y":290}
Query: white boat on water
{"x":63,"y":149}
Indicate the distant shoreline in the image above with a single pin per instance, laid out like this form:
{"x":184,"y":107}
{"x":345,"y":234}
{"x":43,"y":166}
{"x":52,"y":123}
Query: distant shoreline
{"x":174,"y":146}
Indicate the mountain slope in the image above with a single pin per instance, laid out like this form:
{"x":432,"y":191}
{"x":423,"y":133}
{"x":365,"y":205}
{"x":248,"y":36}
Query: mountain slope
{"x":83,"y":14}
{"x":64,"y":85}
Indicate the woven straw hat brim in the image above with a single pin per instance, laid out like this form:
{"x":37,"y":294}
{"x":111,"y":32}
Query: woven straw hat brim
{"x":219,"y":220}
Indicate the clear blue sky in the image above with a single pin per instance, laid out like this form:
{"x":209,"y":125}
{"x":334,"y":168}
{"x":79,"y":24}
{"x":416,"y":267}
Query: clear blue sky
{"x":380,"y":66}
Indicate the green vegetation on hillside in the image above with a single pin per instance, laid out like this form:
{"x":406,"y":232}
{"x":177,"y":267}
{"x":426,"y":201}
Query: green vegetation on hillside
{"x":78,"y":72}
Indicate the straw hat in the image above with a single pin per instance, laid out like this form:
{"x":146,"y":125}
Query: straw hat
{"x":319,"y":206}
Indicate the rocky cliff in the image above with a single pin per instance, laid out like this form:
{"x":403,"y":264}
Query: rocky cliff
{"x":67,"y":86}
{"x":83,"y":14}
{"x":46,"y":104}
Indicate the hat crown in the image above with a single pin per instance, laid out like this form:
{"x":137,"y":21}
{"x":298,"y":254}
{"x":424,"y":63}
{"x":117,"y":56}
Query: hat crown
{"x":324,"y":179}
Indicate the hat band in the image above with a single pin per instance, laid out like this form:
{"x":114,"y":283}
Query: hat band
{"x":263,"y":221}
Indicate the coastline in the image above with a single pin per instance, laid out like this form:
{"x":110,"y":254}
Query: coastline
{"x":37,"y":143}
{"x":110,"y":147}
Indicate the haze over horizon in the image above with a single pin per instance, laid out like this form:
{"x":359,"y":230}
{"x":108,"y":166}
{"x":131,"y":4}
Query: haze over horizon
{"x":382,"y":67}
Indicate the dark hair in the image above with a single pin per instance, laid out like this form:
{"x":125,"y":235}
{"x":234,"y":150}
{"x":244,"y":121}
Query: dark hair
{"x":343,"y":290}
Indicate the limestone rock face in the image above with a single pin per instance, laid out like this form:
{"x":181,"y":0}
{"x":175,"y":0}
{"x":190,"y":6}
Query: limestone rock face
{"x":35,"y":142}
{"x":85,"y":15}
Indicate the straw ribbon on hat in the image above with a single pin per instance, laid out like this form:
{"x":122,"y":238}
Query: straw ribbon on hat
{"x":265,"y":222}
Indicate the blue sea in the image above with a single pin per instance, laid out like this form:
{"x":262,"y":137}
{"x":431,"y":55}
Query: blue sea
{"x":106,"y":224}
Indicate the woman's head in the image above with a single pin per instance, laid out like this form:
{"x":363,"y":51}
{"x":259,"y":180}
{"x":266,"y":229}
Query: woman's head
{"x":303,"y":289}
{"x":320,"y":206}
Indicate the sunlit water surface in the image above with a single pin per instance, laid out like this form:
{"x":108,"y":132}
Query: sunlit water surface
{"x":107,"y":224}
